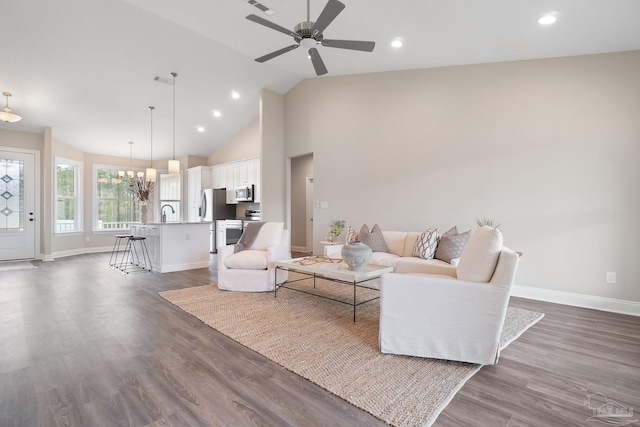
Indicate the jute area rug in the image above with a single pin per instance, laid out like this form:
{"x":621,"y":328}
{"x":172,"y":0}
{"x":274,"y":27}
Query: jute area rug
{"x":318,"y":340}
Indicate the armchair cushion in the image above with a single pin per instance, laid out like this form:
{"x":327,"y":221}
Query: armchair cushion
{"x":480,"y":255}
{"x":270,"y":235}
{"x":248,"y":260}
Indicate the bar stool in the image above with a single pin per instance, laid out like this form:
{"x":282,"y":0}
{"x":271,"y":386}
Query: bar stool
{"x":136,"y":258}
{"x":113,"y":260}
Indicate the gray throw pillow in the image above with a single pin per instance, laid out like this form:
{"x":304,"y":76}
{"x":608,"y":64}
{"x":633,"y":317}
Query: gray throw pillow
{"x":450,"y":247}
{"x":374,"y":238}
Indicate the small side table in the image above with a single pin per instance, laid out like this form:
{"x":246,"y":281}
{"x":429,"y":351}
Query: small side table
{"x":332,"y":249}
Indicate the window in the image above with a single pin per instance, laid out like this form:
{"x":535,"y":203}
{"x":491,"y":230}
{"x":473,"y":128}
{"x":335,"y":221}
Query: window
{"x":170,"y":195}
{"x":115,"y":207}
{"x":68,"y":208}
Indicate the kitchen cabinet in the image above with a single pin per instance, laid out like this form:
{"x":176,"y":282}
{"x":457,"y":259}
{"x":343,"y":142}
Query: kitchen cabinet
{"x":232,"y":170}
{"x":235,"y":174}
{"x":198,"y":178}
{"x":175,"y":246}
{"x":219,"y":176}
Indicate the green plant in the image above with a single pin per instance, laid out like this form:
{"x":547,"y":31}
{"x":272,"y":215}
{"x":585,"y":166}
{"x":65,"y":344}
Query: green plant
{"x":489,"y":222}
{"x":337,"y":226}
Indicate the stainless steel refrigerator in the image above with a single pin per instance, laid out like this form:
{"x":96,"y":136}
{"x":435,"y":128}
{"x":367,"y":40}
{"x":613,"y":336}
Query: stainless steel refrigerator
{"x":213,"y":206}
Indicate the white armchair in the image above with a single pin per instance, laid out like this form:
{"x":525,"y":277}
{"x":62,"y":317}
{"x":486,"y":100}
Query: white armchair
{"x":253,"y":269}
{"x":453,"y":318}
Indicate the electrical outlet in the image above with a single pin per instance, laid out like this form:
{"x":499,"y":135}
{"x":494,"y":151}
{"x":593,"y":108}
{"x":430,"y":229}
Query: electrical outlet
{"x":611,"y":277}
{"x":87,"y":239}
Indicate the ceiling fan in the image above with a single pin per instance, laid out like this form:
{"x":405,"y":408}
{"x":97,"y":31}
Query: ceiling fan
{"x":309,"y":35}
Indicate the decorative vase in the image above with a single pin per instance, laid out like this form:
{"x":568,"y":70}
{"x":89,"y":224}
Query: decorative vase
{"x":143,"y":213}
{"x":356,"y":255}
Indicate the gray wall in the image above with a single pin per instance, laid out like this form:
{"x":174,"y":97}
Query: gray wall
{"x":549,"y":148}
{"x":301,"y":168}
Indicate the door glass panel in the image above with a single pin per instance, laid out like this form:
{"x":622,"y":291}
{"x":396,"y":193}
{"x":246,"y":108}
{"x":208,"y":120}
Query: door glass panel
{"x":11,"y":195}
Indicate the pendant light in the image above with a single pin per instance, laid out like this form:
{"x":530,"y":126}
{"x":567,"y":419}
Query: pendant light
{"x":151,"y":172}
{"x":5,"y":114}
{"x":174,"y":165}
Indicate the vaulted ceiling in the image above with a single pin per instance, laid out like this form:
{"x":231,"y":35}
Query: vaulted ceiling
{"x":87,"y":68}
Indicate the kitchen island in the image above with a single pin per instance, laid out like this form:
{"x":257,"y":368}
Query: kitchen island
{"x":175,"y":246}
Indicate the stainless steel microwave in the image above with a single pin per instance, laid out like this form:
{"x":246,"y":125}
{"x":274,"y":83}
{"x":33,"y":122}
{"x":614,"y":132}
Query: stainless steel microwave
{"x":244,"y":193}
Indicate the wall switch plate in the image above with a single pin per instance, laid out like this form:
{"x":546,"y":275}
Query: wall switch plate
{"x":324,"y":205}
{"x":611,"y":277}
{"x":317,"y":203}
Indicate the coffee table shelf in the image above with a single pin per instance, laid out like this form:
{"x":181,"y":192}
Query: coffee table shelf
{"x":334,"y":272}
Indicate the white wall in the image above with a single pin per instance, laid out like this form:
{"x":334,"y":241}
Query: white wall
{"x":301,"y":168}
{"x":549,"y":148}
{"x":272,"y":161}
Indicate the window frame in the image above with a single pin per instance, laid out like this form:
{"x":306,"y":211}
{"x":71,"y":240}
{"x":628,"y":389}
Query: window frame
{"x":96,"y":199}
{"x":175,"y":203}
{"x":77,"y":197}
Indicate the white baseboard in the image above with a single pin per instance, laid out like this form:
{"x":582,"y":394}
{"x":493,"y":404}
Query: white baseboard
{"x":578,"y":300}
{"x":299,"y":249}
{"x":79,"y":251}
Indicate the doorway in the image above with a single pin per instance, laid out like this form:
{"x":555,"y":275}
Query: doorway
{"x":17,"y":204}
{"x":302,"y":203}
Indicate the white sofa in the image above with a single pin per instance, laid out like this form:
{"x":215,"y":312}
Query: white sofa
{"x":400,"y":245}
{"x":455,"y":318}
{"x":253,"y":269}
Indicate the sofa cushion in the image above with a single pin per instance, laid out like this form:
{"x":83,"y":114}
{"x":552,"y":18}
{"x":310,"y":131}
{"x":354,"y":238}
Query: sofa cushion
{"x":395,"y":241}
{"x":410,"y":242}
{"x":426,"y":243}
{"x":450,"y":247}
{"x":480,"y":255}
{"x":374,"y":238}
{"x":384,"y":258}
{"x":247,"y":260}
{"x":270,"y":235}
{"x":424,"y":266}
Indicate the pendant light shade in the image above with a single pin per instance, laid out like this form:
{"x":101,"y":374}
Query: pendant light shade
{"x":151,"y":172}
{"x":5,"y":114}
{"x":174,"y":165}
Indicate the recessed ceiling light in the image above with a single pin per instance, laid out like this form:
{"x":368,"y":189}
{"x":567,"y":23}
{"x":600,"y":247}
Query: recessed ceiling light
{"x":235,"y":95}
{"x":216,"y":113}
{"x":397,"y":42}
{"x":200,"y":129}
{"x":548,"y":19}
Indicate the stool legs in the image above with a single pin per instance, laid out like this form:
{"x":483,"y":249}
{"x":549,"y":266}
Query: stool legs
{"x":135,"y":257}
{"x":113,"y":259}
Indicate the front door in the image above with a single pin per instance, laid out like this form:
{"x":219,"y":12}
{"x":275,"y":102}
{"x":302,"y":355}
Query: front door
{"x":17,"y":205}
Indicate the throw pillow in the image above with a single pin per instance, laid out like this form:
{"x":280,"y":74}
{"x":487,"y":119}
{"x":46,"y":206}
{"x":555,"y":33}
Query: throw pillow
{"x":450,"y":232}
{"x":426,"y":244}
{"x":351,"y":235}
{"x":451,"y":246}
{"x":374,"y":238}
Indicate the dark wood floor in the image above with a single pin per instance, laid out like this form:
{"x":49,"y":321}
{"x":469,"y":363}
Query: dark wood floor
{"x":84,"y":345}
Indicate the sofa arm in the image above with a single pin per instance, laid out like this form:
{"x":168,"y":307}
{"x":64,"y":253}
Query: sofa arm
{"x":278,"y":253}
{"x":441,"y":317}
{"x":223,"y":253}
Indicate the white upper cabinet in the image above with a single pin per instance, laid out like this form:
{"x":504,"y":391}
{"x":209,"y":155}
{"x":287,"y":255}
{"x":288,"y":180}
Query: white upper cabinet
{"x":236,"y":174}
{"x":198,"y":178}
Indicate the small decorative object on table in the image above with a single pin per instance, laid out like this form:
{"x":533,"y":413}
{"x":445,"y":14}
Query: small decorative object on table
{"x":336,"y":229}
{"x":142,"y":191}
{"x":356,"y":255}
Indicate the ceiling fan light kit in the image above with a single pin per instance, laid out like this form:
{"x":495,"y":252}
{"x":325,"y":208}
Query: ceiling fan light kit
{"x":5,"y":114}
{"x":309,"y":35}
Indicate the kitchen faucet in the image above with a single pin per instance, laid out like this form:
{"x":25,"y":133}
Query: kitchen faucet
{"x":164,"y":215}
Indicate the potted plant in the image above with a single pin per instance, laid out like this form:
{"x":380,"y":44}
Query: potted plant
{"x":335,"y":230}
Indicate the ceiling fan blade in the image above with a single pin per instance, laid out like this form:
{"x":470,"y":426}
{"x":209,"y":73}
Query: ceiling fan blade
{"x":262,"y":21}
{"x":318,"y":64}
{"x":349,"y":44}
{"x":276,"y":53}
{"x":328,"y":14}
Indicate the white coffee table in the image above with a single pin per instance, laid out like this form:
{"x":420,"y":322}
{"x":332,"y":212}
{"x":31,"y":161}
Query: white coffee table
{"x":334,"y":272}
